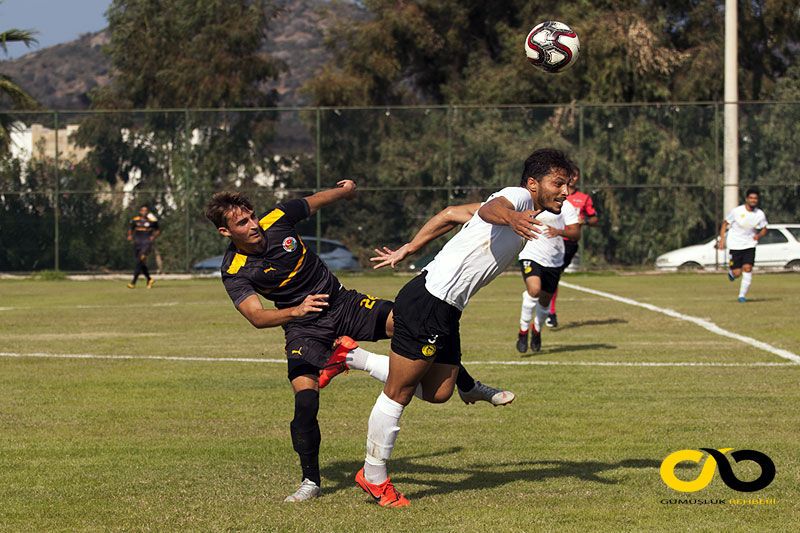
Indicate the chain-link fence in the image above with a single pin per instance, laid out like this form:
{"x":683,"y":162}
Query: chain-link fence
{"x":653,"y":171}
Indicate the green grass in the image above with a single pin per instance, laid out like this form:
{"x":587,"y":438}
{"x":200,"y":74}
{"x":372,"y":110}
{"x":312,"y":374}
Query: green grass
{"x":167,"y":445}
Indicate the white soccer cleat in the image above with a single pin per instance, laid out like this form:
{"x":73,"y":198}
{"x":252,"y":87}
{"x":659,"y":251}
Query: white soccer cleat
{"x":307,"y":491}
{"x":485,"y":393}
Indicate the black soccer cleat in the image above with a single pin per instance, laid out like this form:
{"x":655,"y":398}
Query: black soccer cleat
{"x":536,"y":341}
{"x":522,"y":342}
{"x":551,"y":321}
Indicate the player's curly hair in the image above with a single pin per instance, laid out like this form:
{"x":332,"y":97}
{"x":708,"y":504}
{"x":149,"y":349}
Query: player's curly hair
{"x":221,"y":203}
{"x":543,"y":161}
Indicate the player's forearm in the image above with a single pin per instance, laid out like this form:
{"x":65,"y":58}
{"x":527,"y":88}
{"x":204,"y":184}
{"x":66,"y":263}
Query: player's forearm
{"x":270,"y":318}
{"x":593,"y":220}
{"x":345,"y":189}
{"x":722,"y":230}
{"x":441,"y":223}
{"x":571,"y":232}
{"x":497,"y":211}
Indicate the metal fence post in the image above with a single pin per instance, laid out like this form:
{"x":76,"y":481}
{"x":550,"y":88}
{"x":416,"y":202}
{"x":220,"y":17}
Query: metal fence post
{"x":186,"y":184}
{"x":318,"y":216}
{"x":56,"y":264}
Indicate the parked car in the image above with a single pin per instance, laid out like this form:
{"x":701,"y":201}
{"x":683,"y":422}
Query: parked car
{"x":779,"y":248}
{"x":334,"y":253}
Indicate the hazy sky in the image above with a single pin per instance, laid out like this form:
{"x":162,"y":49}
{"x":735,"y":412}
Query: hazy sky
{"x":57,"y":21}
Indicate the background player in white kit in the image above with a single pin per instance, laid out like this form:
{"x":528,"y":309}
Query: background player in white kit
{"x":745,"y":225}
{"x":541,"y":262}
{"x":426,"y":346}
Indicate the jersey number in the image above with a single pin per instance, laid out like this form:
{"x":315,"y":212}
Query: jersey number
{"x":367,"y":302}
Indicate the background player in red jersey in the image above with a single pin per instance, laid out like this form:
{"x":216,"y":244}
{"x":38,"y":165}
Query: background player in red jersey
{"x":588,"y":216}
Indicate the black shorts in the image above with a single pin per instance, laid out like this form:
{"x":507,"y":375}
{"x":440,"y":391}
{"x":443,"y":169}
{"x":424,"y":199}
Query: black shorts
{"x":309,"y":341}
{"x":742,"y":257}
{"x":570,"y":249}
{"x":425,"y":327}
{"x":548,"y":275}
{"x":142,"y":249}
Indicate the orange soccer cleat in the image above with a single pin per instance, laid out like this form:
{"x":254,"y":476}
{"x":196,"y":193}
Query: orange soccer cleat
{"x":337,"y":363}
{"x":385,"y":494}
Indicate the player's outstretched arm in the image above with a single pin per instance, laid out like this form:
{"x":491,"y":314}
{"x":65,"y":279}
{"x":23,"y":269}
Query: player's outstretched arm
{"x":500,"y":211}
{"x":345,"y":190}
{"x":254,"y":311}
{"x":438,"y":225}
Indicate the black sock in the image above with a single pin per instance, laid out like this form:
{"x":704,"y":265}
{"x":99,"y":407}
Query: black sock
{"x":464,"y":381}
{"x":305,"y":433}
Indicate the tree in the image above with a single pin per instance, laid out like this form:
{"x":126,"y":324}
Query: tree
{"x":182,"y":72}
{"x":11,"y":95}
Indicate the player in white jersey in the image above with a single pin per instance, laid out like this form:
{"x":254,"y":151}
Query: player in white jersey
{"x":426,"y":346}
{"x":541,"y":262}
{"x":745,"y":225}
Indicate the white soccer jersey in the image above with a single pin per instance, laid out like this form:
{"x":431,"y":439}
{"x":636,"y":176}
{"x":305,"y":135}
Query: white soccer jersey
{"x":477,"y":254}
{"x":549,"y":251}
{"x":742,"y":226}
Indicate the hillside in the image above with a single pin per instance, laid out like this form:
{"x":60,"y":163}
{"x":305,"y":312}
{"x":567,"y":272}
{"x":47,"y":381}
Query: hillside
{"x":61,"y":76}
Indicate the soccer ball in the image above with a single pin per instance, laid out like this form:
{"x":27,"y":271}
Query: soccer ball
{"x":552,"y":46}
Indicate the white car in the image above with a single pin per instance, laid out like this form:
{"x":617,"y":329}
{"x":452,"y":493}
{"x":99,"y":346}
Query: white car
{"x":779,"y":248}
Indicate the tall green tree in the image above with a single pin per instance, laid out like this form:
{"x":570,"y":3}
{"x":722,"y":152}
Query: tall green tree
{"x":182,"y":71}
{"x":12,"y":96}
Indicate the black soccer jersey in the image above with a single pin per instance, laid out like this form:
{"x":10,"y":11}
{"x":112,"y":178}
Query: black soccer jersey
{"x":286,"y":271}
{"x":143,"y":228}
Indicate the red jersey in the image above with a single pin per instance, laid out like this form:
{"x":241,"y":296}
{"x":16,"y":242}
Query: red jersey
{"x":583,"y":203}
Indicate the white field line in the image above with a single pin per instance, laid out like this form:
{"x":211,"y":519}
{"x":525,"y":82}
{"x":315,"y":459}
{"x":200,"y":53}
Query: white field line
{"x":283,"y":361}
{"x":706,"y":324}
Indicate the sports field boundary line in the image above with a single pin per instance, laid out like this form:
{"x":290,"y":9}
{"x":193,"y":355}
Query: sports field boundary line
{"x":470,"y":363}
{"x":706,"y":324}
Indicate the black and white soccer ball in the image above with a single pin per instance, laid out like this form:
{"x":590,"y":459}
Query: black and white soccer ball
{"x":552,"y":46}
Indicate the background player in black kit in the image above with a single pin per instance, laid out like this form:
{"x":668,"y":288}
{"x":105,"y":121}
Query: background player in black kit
{"x":267,"y":257}
{"x":143,"y":231}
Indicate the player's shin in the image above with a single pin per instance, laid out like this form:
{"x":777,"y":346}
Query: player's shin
{"x":747,"y":279}
{"x":541,"y":315}
{"x":528,"y":309}
{"x":305,"y":433}
{"x":381,"y":436}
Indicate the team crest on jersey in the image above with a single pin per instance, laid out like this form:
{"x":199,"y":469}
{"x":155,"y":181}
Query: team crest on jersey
{"x":290,"y":244}
{"x":428,"y":350}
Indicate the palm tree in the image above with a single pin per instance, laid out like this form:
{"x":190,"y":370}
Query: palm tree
{"x":11,"y":92}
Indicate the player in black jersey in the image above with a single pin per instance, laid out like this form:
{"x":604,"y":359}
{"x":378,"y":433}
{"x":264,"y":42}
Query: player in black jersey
{"x":267,"y":257}
{"x":142,"y":231}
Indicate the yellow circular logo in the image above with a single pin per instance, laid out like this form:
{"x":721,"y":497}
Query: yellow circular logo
{"x":694,"y":456}
{"x":428,"y":350}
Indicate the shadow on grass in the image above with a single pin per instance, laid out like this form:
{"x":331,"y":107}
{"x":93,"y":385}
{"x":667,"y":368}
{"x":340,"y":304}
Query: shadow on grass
{"x":341,"y":475}
{"x":568,"y":348}
{"x":582,"y":323}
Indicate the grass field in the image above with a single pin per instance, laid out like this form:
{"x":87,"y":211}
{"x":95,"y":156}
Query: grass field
{"x":162,"y":430}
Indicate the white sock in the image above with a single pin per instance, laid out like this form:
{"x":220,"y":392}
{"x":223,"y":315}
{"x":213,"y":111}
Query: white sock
{"x":381,"y":436}
{"x":541,"y":316}
{"x":376,"y":364}
{"x":747,"y":278}
{"x":528,"y":309}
